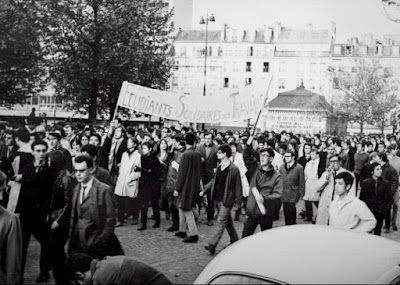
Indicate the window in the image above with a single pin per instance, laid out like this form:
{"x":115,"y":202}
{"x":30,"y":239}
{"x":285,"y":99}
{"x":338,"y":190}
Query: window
{"x":183,"y":51}
{"x":35,"y":100}
{"x":226,"y":82}
{"x":248,"y":81}
{"x":281,"y":83}
{"x":250,"y":51}
{"x":174,"y":81}
{"x":235,"y":67}
{"x":219,"y":51}
{"x":266,"y":67}
{"x":248,"y":66}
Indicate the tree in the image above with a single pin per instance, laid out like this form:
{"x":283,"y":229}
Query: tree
{"x":366,"y":92}
{"x":22,"y":71}
{"x":95,"y":45}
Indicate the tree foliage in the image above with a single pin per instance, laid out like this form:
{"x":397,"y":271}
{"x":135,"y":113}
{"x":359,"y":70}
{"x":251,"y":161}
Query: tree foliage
{"x":22,"y":70}
{"x":367,"y":93}
{"x":95,"y":45}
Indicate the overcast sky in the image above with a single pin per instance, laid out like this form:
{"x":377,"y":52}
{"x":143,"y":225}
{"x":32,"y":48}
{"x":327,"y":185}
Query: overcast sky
{"x":352,"y":17}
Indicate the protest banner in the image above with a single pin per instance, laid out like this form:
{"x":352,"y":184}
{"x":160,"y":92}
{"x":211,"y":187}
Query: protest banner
{"x":185,"y":108}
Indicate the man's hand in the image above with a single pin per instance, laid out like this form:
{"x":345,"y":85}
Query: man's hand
{"x":54,"y":225}
{"x":250,"y":140}
{"x":176,"y":193}
{"x":201,"y":193}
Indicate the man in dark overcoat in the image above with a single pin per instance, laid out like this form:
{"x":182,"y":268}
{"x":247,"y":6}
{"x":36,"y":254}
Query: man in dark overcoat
{"x":187,"y":189}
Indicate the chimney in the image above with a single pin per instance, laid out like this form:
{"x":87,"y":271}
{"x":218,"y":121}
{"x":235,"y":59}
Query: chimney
{"x":277,"y":29}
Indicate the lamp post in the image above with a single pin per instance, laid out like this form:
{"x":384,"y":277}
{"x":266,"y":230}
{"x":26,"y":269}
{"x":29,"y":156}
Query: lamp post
{"x":205,"y":21}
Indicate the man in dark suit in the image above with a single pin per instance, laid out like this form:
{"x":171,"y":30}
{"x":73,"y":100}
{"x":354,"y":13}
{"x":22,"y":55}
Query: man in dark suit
{"x":208,"y":152}
{"x":93,"y":216}
{"x":8,"y":151}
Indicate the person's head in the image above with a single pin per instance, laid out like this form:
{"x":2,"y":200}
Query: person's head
{"x":289,"y":156}
{"x":54,"y":140}
{"x":163,"y":145}
{"x":178,"y":141}
{"x":261,"y":142}
{"x":95,"y":139}
{"x":343,"y":183}
{"x":119,"y":132}
{"x":345,"y":144}
{"x":393,"y":149}
{"x":132,"y":143}
{"x":9,"y":138}
{"x":22,"y":136}
{"x":334,"y":162}
{"x":76,"y":144}
{"x":190,"y":139}
{"x":77,"y":268}
{"x":69,"y":129}
{"x":165,"y":131}
{"x":56,"y":160}
{"x":307,"y":148}
{"x":331,"y":150}
{"x":376,"y":170}
{"x":147,"y":147}
{"x":208,"y":139}
{"x":283,"y":147}
{"x":84,"y":139}
{"x":59,"y":130}
{"x":90,"y":150}
{"x":224,"y":151}
{"x":233,"y":146}
{"x":39,"y":150}
{"x":266,"y":156}
{"x":360,"y":146}
{"x":314,"y":154}
{"x":381,"y":158}
{"x":83,"y":167}
{"x":381,"y":146}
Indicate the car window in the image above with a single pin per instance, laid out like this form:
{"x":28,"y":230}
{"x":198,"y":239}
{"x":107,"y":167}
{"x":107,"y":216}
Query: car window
{"x":238,"y":278}
{"x":396,"y":280}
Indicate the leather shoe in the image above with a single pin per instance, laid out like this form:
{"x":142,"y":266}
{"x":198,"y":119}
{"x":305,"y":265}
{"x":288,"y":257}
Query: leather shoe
{"x":210,"y":248}
{"x":387,"y":231}
{"x":173,"y":229}
{"x":395,"y":228}
{"x":43,"y":277}
{"x":191,"y":239}
{"x":142,"y":227}
{"x":181,"y":234}
{"x":167,"y":216}
{"x":210,"y":223}
{"x":156,"y":225}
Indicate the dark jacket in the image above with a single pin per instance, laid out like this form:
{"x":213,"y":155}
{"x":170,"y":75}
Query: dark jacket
{"x":390,"y":174}
{"x":172,"y":174}
{"x":5,"y":162}
{"x":209,"y":163}
{"x":93,"y":222}
{"x":250,"y":157}
{"x":233,"y":187}
{"x":149,"y":181}
{"x":104,"y":176}
{"x":61,"y":199}
{"x":293,"y":182}
{"x":269,"y":184}
{"x":377,"y":195}
{"x":188,"y":180}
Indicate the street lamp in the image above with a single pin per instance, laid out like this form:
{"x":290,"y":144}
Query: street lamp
{"x":205,"y":21}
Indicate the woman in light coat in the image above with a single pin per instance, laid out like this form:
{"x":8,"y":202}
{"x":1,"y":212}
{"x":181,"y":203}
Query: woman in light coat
{"x":237,"y":159}
{"x":311,"y":176}
{"x":127,"y":186}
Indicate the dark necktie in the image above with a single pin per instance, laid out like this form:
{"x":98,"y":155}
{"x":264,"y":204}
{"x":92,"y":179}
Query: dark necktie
{"x":83,"y":192}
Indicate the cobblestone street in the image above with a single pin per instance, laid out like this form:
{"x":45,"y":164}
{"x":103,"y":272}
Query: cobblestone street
{"x":180,"y":262}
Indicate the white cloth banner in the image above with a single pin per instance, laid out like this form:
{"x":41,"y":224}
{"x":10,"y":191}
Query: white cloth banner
{"x":185,"y":108}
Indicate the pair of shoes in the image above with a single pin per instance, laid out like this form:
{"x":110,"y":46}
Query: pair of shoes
{"x":156,"y":225}
{"x":142,"y":227}
{"x":172,"y":228}
{"x":43,"y":277}
{"x":119,"y":224}
{"x":135,"y":221}
{"x":387,"y":231}
{"x":395,"y":228}
{"x":181,"y":234}
{"x":167,"y":216}
{"x":210,"y":223}
{"x":210,"y":248}
{"x":191,"y":239}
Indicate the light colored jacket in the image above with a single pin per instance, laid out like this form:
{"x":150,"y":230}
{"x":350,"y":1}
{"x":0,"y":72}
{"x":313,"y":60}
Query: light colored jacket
{"x":128,"y":179}
{"x":350,"y":213}
{"x":311,"y":178}
{"x":239,"y":162}
{"x":326,"y":187}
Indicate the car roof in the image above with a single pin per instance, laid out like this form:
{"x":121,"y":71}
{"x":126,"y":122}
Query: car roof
{"x":309,"y":254}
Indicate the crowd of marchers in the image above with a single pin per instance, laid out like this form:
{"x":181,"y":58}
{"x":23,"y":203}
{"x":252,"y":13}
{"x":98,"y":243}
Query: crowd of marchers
{"x":70,"y":186}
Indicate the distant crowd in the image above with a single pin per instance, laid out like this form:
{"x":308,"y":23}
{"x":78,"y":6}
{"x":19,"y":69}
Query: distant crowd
{"x":71,"y":184}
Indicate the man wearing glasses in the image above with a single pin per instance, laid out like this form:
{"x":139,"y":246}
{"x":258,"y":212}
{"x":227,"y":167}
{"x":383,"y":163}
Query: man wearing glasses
{"x":326,"y":186}
{"x":93,"y":216}
{"x":266,"y":188}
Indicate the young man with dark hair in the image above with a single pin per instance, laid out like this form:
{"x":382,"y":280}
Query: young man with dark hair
{"x":347,"y":211}
{"x":187,"y":189}
{"x":82,"y":268}
{"x":32,"y":207}
{"x":226,"y":193}
{"x":55,"y":144}
{"x":98,"y":172}
{"x":93,"y":216}
{"x":265,"y":189}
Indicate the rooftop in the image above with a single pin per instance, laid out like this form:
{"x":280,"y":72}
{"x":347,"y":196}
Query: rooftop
{"x":198,"y":36}
{"x":312,"y":36}
{"x":299,"y":98}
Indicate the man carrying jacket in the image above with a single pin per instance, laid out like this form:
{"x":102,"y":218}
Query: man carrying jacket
{"x":226,"y":192}
{"x":265,"y":189}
